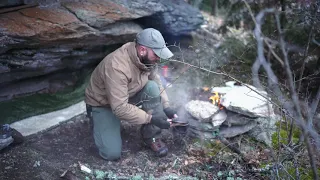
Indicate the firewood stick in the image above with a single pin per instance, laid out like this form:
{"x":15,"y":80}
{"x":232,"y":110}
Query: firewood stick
{"x":230,"y":145}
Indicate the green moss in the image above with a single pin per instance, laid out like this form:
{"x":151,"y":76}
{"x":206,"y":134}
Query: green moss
{"x":137,"y":177}
{"x":305,"y":172}
{"x":215,"y":147}
{"x":28,"y":106}
{"x":240,"y":50}
{"x":100,"y":174}
{"x":284,"y":135}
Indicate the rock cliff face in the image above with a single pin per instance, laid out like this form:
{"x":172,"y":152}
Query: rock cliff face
{"x":43,"y":42}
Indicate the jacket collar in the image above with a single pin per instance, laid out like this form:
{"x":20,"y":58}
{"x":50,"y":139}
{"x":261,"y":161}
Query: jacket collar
{"x":135,"y":59}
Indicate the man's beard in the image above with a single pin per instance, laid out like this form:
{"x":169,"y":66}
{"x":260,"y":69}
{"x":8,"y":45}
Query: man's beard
{"x":146,"y":61}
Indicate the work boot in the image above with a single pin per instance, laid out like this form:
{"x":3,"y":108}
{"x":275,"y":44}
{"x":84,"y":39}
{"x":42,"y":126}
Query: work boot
{"x":159,"y":147}
{"x":17,"y":137}
{"x":5,"y":136}
{"x":9,"y":136}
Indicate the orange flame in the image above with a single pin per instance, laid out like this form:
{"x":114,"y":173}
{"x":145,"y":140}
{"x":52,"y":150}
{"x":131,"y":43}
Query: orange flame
{"x":216,"y":100}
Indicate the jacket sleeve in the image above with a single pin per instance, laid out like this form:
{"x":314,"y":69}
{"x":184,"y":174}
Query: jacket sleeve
{"x":164,"y":97}
{"x":116,"y":85}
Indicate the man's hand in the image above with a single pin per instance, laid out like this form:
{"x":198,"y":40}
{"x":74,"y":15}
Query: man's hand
{"x":170,"y":112}
{"x":160,"y":121}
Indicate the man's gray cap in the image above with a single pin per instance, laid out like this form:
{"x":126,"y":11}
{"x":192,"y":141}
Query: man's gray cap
{"x":153,"y":39}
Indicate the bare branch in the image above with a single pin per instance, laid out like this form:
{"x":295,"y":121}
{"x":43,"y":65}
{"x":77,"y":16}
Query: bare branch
{"x":316,"y":42}
{"x":273,"y":53}
{"x":304,"y":58}
{"x":313,"y":108}
{"x":295,"y":99}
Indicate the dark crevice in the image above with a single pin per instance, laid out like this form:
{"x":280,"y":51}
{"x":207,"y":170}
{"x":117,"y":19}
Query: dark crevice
{"x":10,"y":4}
{"x":70,"y":11}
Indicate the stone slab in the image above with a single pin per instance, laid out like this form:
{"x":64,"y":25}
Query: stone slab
{"x":43,"y":122}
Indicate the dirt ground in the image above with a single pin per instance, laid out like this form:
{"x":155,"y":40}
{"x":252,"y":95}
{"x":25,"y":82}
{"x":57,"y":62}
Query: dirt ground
{"x":47,"y":155}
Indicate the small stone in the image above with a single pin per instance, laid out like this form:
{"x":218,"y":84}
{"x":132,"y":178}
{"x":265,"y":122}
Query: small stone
{"x":197,"y":51}
{"x":267,"y":152}
{"x":219,"y":118}
{"x":36,"y":164}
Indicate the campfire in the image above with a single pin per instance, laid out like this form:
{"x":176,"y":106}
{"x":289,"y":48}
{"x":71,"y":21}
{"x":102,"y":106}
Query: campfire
{"x":231,"y":110}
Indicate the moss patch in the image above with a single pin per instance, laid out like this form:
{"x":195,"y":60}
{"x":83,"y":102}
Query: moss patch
{"x":284,"y":135}
{"x":305,"y":172}
{"x":28,"y":106}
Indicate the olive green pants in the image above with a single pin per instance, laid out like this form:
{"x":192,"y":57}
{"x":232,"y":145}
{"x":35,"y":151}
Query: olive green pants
{"x":106,"y":126}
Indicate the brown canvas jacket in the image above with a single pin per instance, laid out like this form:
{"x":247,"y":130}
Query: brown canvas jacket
{"x":121,"y":75}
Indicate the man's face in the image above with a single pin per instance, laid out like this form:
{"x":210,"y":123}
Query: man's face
{"x":149,"y":58}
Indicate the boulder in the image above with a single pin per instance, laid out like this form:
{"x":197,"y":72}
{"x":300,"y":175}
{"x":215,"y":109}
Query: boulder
{"x":265,"y":128}
{"x":67,"y":36}
{"x":201,"y":110}
{"x":247,"y":101}
{"x":177,"y":19}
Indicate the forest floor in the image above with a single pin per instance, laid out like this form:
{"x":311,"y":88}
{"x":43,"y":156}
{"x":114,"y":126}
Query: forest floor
{"x":48,"y":155}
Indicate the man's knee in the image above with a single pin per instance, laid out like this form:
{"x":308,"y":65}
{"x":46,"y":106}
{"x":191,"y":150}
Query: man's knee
{"x":110,"y":155}
{"x":152,"y":88}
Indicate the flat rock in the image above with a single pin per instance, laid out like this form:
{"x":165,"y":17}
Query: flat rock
{"x":233,"y":131}
{"x":244,"y":100}
{"x":236,"y":119}
{"x":46,"y":121}
{"x":200,"y":134}
{"x":100,"y":13}
{"x":200,"y":126}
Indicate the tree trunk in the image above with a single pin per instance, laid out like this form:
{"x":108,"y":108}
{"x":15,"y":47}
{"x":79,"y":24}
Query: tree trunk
{"x":197,"y":3}
{"x":283,"y":15}
{"x":214,"y":7}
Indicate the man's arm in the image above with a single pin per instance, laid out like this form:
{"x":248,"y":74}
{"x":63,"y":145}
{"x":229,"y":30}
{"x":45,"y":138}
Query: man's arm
{"x":117,"y":94}
{"x":164,"y":97}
